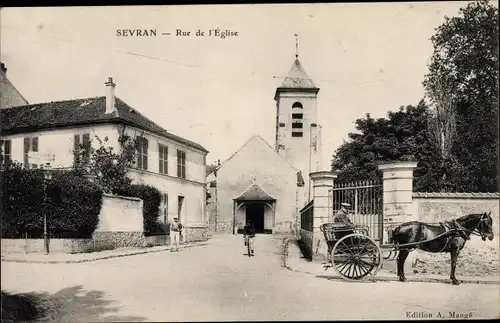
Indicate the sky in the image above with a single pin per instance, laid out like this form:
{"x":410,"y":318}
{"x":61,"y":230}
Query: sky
{"x":365,"y":58}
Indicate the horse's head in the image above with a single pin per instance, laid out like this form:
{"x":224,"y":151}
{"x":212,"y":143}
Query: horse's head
{"x":485,"y":226}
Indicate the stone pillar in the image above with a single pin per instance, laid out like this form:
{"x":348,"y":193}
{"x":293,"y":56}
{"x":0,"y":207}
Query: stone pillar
{"x":397,"y":193}
{"x":322,"y":183}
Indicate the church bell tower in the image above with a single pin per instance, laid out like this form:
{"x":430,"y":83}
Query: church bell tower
{"x":298,"y":135}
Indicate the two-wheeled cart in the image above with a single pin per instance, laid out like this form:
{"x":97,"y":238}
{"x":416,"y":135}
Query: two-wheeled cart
{"x":351,"y":252}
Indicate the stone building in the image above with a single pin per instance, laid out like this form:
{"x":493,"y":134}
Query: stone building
{"x":172,"y":164}
{"x":269,"y":185}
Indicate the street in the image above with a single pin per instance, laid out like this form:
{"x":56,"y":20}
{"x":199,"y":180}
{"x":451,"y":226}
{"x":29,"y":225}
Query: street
{"x":219,"y":282}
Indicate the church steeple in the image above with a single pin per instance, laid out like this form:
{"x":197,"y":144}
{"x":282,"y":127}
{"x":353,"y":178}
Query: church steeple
{"x":298,"y":135}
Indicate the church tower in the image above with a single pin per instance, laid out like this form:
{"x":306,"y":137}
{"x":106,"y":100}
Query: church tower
{"x":298,"y":135}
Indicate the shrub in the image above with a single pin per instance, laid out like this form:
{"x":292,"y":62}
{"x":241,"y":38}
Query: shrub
{"x":151,"y":197}
{"x":73,"y":201}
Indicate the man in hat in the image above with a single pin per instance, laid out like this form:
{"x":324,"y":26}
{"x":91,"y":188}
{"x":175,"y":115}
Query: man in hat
{"x":341,"y":215}
{"x":175,"y":232}
{"x":249,"y":236}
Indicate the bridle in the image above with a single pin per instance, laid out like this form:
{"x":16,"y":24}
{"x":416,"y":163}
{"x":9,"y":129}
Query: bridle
{"x":479,"y":227}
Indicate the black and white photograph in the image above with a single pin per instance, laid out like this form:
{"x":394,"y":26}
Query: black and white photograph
{"x":250,"y":162}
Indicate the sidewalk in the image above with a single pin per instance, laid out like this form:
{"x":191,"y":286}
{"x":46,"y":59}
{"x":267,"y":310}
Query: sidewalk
{"x":56,"y":258}
{"x":294,"y":261}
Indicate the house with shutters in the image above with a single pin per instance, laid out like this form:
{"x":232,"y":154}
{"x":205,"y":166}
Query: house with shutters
{"x":174,"y":165}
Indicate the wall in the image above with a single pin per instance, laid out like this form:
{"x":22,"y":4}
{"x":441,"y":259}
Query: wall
{"x":437,"y":207}
{"x":297,"y":149}
{"x":256,"y":160}
{"x":120,"y":225}
{"x":195,"y":159}
{"x":120,"y":214}
{"x":193,"y":209}
{"x":55,"y":246}
{"x":193,"y":187}
{"x":9,"y":95}
{"x":60,"y":142}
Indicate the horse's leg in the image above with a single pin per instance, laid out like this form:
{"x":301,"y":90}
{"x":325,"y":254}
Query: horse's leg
{"x":403,"y":253}
{"x":454,"y":257}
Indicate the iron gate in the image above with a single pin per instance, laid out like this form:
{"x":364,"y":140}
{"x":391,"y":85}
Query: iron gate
{"x":366,"y":203}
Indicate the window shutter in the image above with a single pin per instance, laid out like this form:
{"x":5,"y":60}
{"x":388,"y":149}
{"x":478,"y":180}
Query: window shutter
{"x":26,"y":150}
{"x":34,"y":144}
{"x":86,"y":141}
{"x":86,"y":138}
{"x":6,"y":147}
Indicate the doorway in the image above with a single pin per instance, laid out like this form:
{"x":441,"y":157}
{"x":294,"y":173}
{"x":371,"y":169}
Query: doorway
{"x":255,"y":213}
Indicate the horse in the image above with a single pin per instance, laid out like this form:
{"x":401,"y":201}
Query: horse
{"x":448,"y":236}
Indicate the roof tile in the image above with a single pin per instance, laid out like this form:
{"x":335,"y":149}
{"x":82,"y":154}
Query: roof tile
{"x":41,"y":116}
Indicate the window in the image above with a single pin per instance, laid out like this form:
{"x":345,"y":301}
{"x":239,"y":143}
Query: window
{"x":6,"y":150}
{"x":81,"y":141}
{"x":181,"y":164}
{"x":30,"y":144}
{"x":163,"y":159}
{"x":142,"y":153}
{"x":297,"y":117}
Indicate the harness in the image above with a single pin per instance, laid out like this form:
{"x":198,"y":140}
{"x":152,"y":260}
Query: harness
{"x":454,"y":229}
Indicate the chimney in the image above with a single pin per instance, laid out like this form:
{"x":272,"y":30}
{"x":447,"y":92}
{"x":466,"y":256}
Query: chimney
{"x":3,"y":68}
{"x":110,"y":96}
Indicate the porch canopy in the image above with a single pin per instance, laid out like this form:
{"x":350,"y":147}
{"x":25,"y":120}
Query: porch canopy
{"x":253,"y":194}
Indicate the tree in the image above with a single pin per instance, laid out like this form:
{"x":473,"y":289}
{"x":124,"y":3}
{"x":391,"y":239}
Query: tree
{"x":465,"y":58}
{"x":109,"y":167}
{"x":402,"y":136}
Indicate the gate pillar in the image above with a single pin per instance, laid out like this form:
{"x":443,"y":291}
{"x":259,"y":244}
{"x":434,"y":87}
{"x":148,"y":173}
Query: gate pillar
{"x":397,"y":182}
{"x":322,"y":183}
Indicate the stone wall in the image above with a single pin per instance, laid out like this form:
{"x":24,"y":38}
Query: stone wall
{"x":195,"y":233}
{"x":55,"y":245}
{"x":286,"y":227}
{"x":438,"y":207}
{"x":159,"y":240}
{"x":113,"y":240}
{"x":225,"y":226}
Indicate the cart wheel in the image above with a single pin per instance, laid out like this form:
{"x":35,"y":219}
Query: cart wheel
{"x":356,"y":257}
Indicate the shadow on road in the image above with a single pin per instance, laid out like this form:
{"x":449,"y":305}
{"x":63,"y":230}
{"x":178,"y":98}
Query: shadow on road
{"x":72,"y":304}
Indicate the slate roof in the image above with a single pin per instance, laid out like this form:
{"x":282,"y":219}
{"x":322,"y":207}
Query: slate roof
{"x":297,"y":81}
{"x":298,"y":78}
{"x":254,"y":193}
{"x":63,"y":114}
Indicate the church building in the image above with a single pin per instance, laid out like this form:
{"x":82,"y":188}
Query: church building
{"x":269,"y":185}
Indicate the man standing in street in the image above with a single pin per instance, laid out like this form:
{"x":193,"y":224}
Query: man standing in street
{"x":249,"y":236}
{"x":175,"y":231}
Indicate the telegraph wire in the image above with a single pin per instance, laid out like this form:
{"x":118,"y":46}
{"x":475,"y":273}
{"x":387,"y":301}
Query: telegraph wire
{"x":260,"y":74}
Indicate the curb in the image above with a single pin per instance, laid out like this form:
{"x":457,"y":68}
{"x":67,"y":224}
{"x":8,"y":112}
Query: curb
{"x":132,"y":253}
{"x":376,"y":279}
